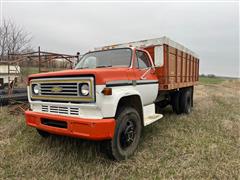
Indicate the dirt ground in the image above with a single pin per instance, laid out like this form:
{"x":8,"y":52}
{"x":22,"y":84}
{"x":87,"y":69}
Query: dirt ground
{"x":202,"y":145}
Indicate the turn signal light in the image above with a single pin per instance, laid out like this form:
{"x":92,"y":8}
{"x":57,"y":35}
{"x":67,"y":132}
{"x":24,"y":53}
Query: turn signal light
{"x":107,"y":91}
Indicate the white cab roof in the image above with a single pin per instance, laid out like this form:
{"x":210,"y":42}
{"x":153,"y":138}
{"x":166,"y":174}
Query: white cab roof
{"x":151,"y":42}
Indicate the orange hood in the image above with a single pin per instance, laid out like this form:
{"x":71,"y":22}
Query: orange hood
{"x":102,"y":75}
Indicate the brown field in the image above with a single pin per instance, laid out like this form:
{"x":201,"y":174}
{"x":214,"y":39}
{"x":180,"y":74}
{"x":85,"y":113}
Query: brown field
{"x":202,"y":145}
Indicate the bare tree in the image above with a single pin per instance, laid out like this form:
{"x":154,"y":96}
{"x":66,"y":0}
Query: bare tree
{"x":13,"y":39}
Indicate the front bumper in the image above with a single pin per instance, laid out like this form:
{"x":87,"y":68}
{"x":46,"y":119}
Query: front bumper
{"x":94,"y":129}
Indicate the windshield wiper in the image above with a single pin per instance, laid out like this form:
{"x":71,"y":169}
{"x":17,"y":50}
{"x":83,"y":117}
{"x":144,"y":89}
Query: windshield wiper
{"x":103,"y":66}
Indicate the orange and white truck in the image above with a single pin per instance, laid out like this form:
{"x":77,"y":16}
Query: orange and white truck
{"x":114,"y":92}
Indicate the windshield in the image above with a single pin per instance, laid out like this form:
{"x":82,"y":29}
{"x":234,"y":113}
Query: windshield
{"x":107,"y":58}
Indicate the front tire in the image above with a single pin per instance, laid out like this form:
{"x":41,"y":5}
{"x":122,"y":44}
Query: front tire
{"x":127,"y":134}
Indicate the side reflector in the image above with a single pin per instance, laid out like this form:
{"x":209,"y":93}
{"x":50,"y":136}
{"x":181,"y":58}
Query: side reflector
{"x":107,"y":91}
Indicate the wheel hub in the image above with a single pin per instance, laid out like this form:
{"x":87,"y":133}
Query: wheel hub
{"x":128,"y":134}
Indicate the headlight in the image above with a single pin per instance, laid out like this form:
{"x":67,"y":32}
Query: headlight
{"x":84,"y":89}
{"x":36,"y":89}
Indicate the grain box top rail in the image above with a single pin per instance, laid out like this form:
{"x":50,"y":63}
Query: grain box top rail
{"x":150,"y":42}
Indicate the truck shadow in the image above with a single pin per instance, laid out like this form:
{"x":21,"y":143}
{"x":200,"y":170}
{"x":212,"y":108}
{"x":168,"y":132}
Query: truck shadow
{"x":74,"y":148}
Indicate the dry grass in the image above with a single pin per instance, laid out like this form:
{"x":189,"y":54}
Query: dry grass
{"x":202,"y":145}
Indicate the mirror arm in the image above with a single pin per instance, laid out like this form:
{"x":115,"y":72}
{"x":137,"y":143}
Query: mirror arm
{"x":146,"y":72}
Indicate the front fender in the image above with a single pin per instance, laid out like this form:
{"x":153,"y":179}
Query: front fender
{"x":108,"y":104}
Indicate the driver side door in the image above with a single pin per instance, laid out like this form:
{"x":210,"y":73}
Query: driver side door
{"x":146,"y":80}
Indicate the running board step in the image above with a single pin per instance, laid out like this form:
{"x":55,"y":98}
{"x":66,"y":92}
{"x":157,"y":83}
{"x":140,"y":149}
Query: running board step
{"x":152,"y":118}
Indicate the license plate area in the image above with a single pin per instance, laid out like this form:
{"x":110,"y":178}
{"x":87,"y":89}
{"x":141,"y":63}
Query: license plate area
{"x":54,"y":123}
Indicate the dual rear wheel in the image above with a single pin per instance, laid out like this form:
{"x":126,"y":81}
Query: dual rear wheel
{"x":182,"y":101}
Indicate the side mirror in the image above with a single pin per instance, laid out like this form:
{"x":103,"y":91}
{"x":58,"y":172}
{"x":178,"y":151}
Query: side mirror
{"x":158,"y":56}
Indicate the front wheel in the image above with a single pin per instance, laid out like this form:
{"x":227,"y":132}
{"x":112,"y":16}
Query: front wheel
{"x":127,"y":134}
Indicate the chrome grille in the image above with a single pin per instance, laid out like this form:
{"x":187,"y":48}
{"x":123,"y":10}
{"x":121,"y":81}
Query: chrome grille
{"x":61,"y":110}
{"x":69,"y":89}
{"x":63,"y":89}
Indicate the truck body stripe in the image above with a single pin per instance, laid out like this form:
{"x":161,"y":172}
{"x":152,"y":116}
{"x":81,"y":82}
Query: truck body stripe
{"x":130,"y":83}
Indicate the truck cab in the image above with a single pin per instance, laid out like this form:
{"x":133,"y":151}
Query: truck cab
{"x":110,"y":96}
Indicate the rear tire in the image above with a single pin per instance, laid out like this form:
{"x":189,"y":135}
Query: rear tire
{"x":43,"y":133}
{"x":126,"y":136}
{"x":186,"y":101}
{"x":175,"y":102}
{"x":159,"y":106}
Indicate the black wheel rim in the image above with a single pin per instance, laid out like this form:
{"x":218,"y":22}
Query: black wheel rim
{"x":127,"y":136}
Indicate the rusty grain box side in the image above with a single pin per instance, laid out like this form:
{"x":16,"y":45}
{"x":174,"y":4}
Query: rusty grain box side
{"x":180,"y":69}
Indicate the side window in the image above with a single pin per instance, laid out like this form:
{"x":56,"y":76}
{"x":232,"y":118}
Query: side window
{"x":142,"y":60}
